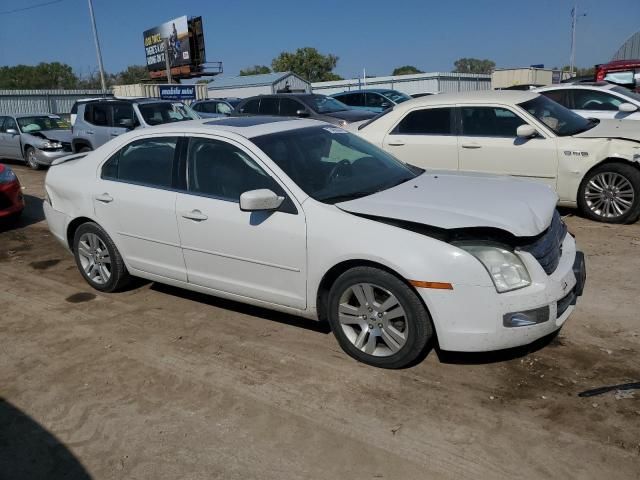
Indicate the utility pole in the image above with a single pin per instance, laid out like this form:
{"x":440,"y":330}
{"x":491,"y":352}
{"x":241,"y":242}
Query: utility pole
{"x":97,"y":42}
{"x":167,"y":62}
{"x":574,"y":21}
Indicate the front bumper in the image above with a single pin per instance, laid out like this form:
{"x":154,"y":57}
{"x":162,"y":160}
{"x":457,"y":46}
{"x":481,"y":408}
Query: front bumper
{"x":472,"y":318}
{"x":46,"y":157}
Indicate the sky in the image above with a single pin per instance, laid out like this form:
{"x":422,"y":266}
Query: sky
{"x":373,"y":34}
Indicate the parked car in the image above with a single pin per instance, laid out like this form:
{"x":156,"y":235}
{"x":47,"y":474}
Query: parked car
{"x":303,"y":217}
{"x":596,"y":100}
{"x":212,"y":108}
{"x":233,"y":101}
{"x":98,"y":121}
{"x":11,"y":199}
{"x":592,"y":164}
{"x":423,"y":94}
{"x":303,"y":105}
{"x":625,"y":73}
{"x":36,"y":139}
{"x":374,"y":99}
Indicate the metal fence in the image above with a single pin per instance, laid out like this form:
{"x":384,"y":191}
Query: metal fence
{"x":43,"y":101}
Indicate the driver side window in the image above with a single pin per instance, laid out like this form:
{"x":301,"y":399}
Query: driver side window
{"x":584,"y":99}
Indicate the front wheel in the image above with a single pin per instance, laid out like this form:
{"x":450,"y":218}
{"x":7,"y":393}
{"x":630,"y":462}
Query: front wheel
{"x":32,"y":161}
{"x":378,"y":319}
{"x":611,"y":193}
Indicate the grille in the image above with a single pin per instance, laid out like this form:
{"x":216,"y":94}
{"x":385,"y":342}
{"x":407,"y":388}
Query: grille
{"x":564,"y":303}
{"x":548,"y":248}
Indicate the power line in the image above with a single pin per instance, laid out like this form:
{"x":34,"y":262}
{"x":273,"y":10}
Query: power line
{"x":31,"y":7}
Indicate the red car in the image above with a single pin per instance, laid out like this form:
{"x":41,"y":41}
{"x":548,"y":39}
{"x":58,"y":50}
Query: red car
{"x":11,"y":199}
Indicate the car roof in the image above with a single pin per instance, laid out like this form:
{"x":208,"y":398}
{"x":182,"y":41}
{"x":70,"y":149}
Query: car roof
{"x":482,"y":96}
{"x":141,"y":100}
{"x":247,"y":126}
{"x":363,"y":90}
{"x":583,"y":85}
{"x":24,"y":115}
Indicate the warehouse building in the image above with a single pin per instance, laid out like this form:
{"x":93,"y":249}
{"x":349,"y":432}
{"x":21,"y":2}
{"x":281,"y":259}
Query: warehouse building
{"x":244,"y":86}
{"x":629,"y":50}
{"x":435,"y":82}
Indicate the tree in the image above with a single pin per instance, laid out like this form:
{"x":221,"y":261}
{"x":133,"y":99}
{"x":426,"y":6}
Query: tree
{"x":132,"y":74}
{"x":43,"y":75}
{"x":308,"y":63}
{"x":255,"y":70}
{"x":406,"y":70}
{"x":474,"y":65}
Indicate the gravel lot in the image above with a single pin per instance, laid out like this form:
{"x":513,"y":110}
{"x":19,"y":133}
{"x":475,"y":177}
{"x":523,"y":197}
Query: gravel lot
{"x":161,"y":383}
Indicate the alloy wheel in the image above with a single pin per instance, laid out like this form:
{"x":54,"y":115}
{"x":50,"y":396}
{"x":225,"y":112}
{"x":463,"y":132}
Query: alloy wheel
{"x":31,"y":159}
{"x":373,"y":319}
{"x":609,"y":195}
{"x":94,"y":258}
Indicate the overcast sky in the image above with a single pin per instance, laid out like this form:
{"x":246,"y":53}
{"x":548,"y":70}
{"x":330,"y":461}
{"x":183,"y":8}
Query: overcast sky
{"x":376,"y":35}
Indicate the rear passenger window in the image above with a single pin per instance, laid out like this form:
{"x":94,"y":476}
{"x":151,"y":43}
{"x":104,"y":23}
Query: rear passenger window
{"x":431,"y":121}
{"x":146,"y":162}
{"x":557,"y":96}
{"x":97,"y":114}
{"x":352,"y":99}
{"x":289,"y":107}
{"x":251,"y":106}
{"x":269,"y":106}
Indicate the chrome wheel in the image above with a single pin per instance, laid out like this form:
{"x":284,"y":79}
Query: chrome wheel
{"x":94,"y":258}
{"x":31,"y":159}
{"x":373,"y":319}
{"x":609,"y":195}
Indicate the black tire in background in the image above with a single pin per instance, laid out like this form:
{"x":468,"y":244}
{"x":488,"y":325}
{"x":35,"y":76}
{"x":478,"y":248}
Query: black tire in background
{"x":600,"y":184}
{"x":84,"y":149}
{"x":416,"y":324}
{"x":119,"y":276}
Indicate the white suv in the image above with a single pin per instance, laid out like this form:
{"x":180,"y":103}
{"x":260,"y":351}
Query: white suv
{"x":592,"y":164}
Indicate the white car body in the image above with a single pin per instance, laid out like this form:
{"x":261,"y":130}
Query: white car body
{"x":559,"y":162}
{"x":597,"y":100}
{"x":279,"y":261}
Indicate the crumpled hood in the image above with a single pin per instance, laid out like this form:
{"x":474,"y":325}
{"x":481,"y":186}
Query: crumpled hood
{"x":607,"y":128}
{"x":452,"y":200}
{"x":59,"y":135}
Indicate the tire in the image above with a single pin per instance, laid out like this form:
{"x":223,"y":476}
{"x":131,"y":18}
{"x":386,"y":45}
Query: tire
{"x":30,"y":158}
{"x":378,"y":333}
{"x":610,"y":193}
{"x":104,"y":272}
{"x":84,"y":149}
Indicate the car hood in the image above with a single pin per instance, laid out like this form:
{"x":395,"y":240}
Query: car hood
{"x":351,"y":115}
{"x":59,"y":135}
{"x":623,"y":129}
{"x":451,"y":201}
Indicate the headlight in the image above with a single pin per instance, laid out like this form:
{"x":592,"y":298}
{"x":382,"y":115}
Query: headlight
{"x":505,"y":268}
{"x":50,"y":145}
{"x":343,"y":123}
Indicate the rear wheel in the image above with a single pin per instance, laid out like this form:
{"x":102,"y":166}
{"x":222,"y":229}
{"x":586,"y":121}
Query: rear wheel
{"x":30,"y":155}
{"x":378,"y":319}
{"x":98,"y":259}
{"x":611,"y":193}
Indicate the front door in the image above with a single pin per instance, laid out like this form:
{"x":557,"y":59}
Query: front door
{"x":488,"y":144}
{"x":134,"y":201}
{"x":259,"y":255}
{"x":425,"y":137}
{"x":10,"y":146}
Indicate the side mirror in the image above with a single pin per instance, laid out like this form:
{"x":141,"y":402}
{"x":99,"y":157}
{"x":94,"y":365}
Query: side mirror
{"x":260,"y":200}
{"x":627,"y":108}
{"x":386,"y":105}
{"x":126,"y":123}
{"x":12,"y":131}
{"x":526,"y":131}
{"x":302,"y":113}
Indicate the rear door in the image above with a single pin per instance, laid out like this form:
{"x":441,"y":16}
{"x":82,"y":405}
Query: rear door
{"x":96,"y":127}
{"x":425,"y":137}
{"x":488,"y":144}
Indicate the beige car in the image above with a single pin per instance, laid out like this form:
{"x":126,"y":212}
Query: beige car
{"x":592,"y":164}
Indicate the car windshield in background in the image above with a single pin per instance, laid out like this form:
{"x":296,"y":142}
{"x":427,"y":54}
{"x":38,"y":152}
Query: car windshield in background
{"x":332,"y":165}
{"x":561,"y":120}
{"x":42,"y":123}
{"x":627,"y":93}
{"x":322,"y":104}
{"x":158,"y":113}
{"x":395,"y":96}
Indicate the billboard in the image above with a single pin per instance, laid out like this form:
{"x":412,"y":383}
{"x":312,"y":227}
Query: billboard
{"x":176,"y":32}
{"x":177,"y":92}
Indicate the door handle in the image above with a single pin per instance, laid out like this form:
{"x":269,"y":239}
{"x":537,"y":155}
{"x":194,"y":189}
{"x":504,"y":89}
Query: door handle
{"x":195,"y":215}
{"x":89,"y":132}
{"x":104,"y":198}
{"x":471,"y":145}
{"x":395,"y":144}
{"x":114,"y":134}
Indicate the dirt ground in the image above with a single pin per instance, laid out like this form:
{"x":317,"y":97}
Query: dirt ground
{"x":160,"y":383}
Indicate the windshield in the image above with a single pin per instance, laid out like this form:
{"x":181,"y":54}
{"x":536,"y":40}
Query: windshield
{"x":395,"y":96}
{"x":332,"y":165}
{"x":627,"y":93}
{"x":562,"y":121}
{"x":157,"y":113}
{"x":322,"y":104}
{"x":41,"y":123}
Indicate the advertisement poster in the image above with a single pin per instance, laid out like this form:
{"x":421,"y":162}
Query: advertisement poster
{"x":176,"y":31}
{"x":177,"y":92}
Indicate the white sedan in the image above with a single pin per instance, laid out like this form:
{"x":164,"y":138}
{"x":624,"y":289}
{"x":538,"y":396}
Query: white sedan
{"x":303,"y":217}
{"x":592,"y":164}
{"x":596,"y":100}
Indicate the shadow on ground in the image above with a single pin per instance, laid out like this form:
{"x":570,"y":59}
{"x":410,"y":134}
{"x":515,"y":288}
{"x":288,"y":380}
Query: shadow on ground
{"x":31,"y":214}
{"x":28,"y":451}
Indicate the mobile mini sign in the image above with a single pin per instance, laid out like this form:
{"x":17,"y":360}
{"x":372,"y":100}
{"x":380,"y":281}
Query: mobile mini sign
{"x":177,"y":92}
{"x":176,"y":34}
